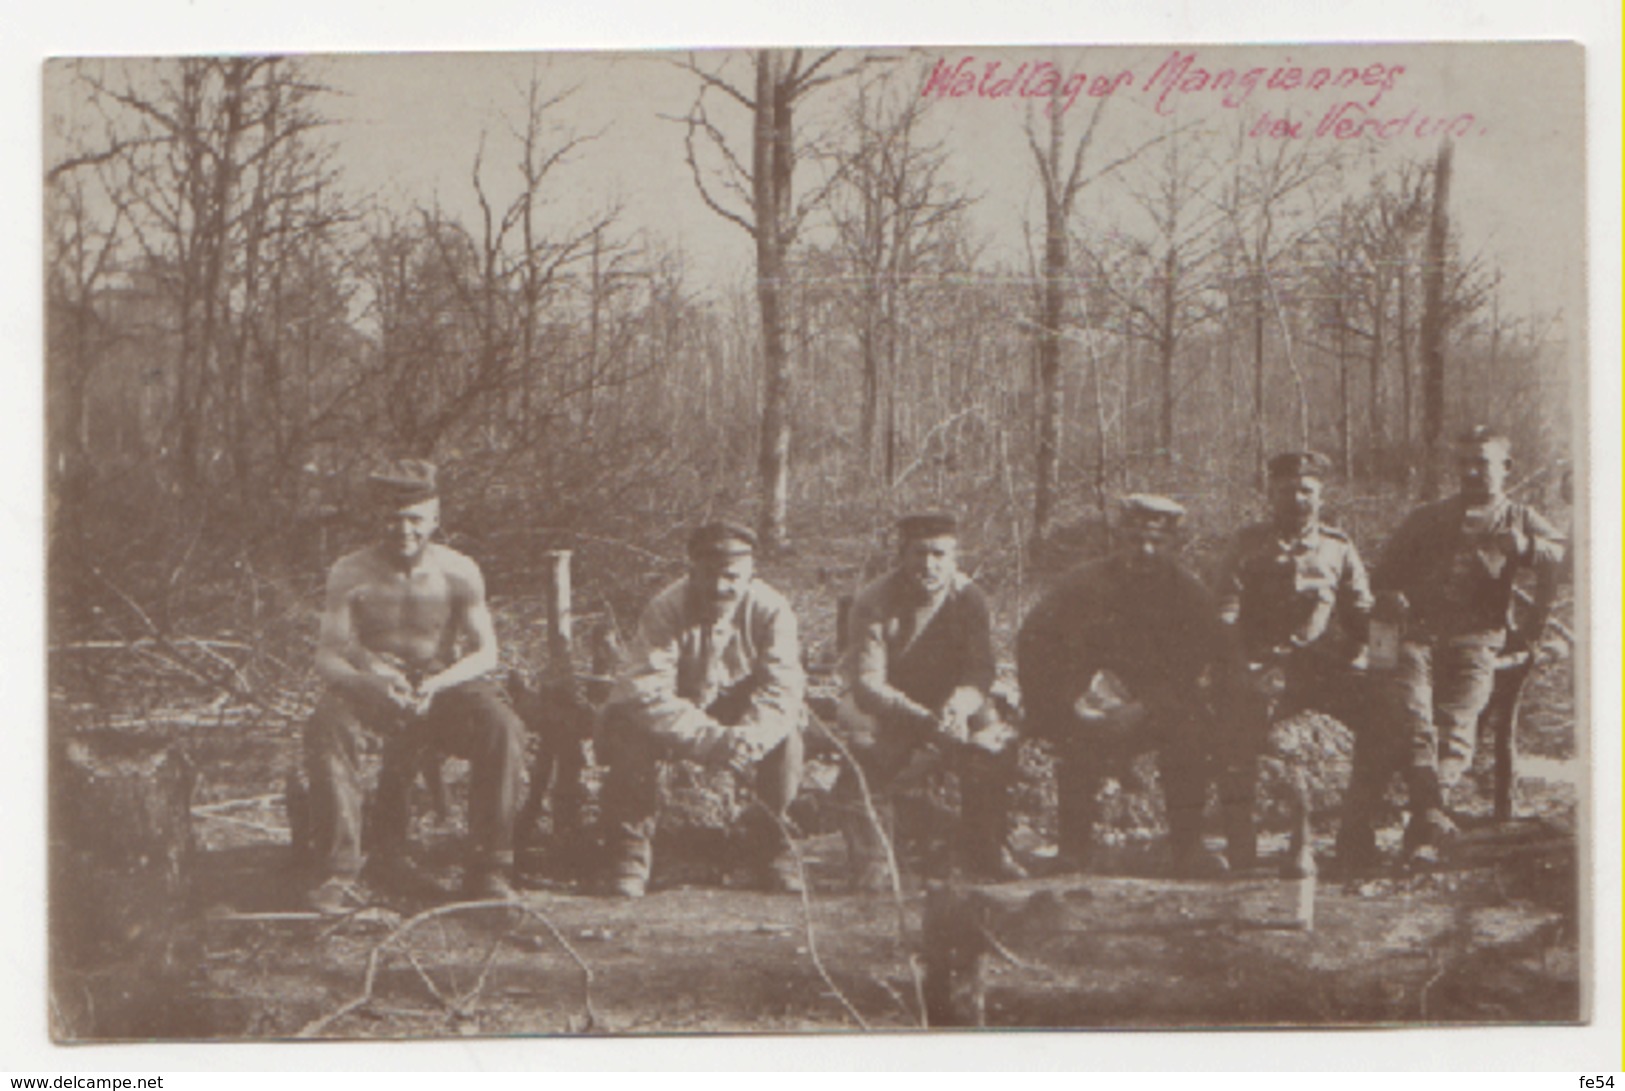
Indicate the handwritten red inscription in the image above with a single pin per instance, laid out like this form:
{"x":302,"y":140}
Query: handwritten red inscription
{"x":1028,"y":80}
{"x":1359,"y":91}
{"x":1181,"y":75}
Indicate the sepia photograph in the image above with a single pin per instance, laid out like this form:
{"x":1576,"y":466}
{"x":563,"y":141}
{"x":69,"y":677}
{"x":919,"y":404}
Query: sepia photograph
{"x":806,"y":540}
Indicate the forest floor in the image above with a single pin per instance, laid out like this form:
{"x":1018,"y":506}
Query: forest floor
{"x":1493,"y":935}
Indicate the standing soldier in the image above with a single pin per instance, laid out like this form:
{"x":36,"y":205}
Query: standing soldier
{"x":919,"y":672}
{"x":406,"y":647}
{"x":1454,"y":562}
{"x":713,"y":675}
{"x":1296,"y":594}
{"x":1126,"y":656}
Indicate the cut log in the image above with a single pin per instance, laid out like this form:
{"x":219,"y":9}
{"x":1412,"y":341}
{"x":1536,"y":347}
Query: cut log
{"x":956,"y":946}
{"x":123,"y":945}
{"x":1048,"y":930}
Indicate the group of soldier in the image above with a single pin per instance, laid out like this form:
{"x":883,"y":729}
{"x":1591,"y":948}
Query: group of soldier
{"x":1128,"y":654}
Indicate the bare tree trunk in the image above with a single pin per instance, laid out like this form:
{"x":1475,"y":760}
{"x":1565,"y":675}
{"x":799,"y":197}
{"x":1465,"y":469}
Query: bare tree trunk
{"x":1049,"y":342}
{"x":1344,"y":421}
{"x":772,"y":165}
{"x":1379,"y":319}
{"x":1433,"y":325}
{"x":1165,"y":353}
{"x":1260,"y":451}
{"x":871,"y":389}
{"x":1407,"y":412}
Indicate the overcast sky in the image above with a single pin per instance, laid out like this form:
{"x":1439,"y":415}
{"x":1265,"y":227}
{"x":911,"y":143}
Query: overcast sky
{"x":409,"y":126}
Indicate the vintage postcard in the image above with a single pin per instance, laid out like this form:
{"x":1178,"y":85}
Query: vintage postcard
{"x":801,"y":540}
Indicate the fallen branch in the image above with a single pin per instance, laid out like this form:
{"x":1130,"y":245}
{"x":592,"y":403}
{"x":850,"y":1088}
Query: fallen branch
{"x":806,"y":913}
{"x":1427,"y":986}
{"x":893,"y":871}
{"x":232,"y":804}
{"x":274,"y":831}
{"x":479,"y":981}
{"x":375,"y":957}
{"x":310,"y":915}
{"x":586,"y":971}
{"x":434,"y":990}
{"x":236,"y":684}
{"x":146,"y":641}
{"x":998,"y":948}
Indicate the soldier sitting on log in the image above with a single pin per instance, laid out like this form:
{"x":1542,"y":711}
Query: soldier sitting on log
{"x":713,"y":675}
{"x":1127,"y":656}
{"x":406,"y":648}
{"x":1454,"y":562}
{"x":1296,"y":594}
{"x":919,"y":669}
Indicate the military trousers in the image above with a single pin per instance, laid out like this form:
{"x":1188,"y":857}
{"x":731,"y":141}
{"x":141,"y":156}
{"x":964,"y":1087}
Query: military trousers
{"x":1309,"y":684}
{"x":884,"y":746}
{"x":473,"y":721}
{"x":630,"y":800}
{"x":1435,"y":696}
{"x":1183,"y":741}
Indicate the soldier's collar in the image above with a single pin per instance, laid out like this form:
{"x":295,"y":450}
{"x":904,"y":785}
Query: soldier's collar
{"x":905,"y":591}
{"x":1310,"y":531}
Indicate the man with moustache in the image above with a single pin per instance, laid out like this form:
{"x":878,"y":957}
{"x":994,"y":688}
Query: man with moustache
{"x":406,"y":648}
{"x":1127,"y":656}
{"x":1454,"y":562}
{"x":712,"y":675}
{"x":1295,"y":595}
{"x":919,"y":670}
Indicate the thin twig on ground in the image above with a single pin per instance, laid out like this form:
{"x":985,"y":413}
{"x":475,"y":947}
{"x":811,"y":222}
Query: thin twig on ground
{"x":230,"y":804}
{"x":438,"y":913}
{"x":280,"y":832}
{"x":806,"y":912}
{"x":893,"y":870}
{"x":428,"y":983}
{"x":485,"y":968}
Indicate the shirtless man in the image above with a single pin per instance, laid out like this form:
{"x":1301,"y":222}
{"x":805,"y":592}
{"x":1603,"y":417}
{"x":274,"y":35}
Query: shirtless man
{"x":406,"y":645}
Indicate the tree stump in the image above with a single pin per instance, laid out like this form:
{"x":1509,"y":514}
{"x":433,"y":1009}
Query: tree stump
{"x":121,"y":909}
{"x":955,"y":941}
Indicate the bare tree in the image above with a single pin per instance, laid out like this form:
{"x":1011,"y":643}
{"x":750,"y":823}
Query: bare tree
{"x":1062,"y":177}
{"x":1435,"y":322}
{"x":1271,"y":205}
{"x":1162,"y":282}
{"x":894,"y":216}
{"x":759,"y":199}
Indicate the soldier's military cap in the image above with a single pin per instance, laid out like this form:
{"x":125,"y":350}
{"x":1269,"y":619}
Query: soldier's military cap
{"x":404,"y":482}
{"x":1148,"y":510}
{"x":720,"y":540}
{"x":1480,"y":434}
{"x":927,"y":524}
{"x":1300,"y":464}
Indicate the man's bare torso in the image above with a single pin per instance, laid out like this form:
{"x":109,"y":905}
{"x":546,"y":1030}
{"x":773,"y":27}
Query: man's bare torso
{"x":410,"y":618}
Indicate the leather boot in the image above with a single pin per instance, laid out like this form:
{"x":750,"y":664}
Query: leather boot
{"x":1077,"y":805}
{"x":766,"y":849}
{"x":1430,"y":828}
{"x":1356,"y":845}
{"x":1191,"y":858}
{"x":984,"y":827}
{"x":630,"y":856}
{"x":1240,"y":836}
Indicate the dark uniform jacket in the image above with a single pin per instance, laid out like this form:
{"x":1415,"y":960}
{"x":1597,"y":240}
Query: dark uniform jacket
{"x":1456,"y":573}
{"x":1158,"y":633}
{"x":1306,"y":592}
{"x":907,"y":657}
